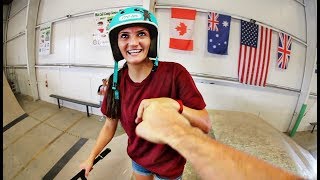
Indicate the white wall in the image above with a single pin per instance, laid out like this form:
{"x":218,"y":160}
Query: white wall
{"x":310,"y":115}
{"x":288,"y":15}
{"x":17,"y":5}
{"x":23,"y":82}
{"x":79,"y":83}
{"x":17,"y":23}
{"x":71,"y":43}
{"x":275,"y":108}
{"x":200,"y":61}
{"x":53,"y":9}
{"x":71,"y":39}
{"x":16,"y":53}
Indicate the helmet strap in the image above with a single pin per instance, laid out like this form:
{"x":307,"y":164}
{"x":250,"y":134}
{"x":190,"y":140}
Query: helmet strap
{"x":155,"y":64}
{"x":115,"y":80}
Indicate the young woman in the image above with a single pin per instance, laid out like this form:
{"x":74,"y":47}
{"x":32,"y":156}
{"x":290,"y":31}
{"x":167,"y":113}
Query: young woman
{"x":133,"y":35}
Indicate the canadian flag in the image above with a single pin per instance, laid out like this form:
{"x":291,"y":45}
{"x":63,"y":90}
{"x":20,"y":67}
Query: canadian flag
{"x":181,"y":28}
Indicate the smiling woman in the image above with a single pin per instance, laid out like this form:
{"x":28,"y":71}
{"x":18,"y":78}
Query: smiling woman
{"x":133,"y":34}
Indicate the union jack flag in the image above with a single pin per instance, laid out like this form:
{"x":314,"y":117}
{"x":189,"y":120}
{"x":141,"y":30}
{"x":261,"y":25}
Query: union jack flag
{"x":213,"y":21}
{"x":284,"y":50}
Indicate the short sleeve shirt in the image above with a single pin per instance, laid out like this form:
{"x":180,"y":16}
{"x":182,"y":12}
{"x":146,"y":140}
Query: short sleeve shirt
{"x":169,"y":80}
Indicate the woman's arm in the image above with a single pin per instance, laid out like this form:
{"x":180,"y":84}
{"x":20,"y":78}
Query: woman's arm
{"x":106,"y":134}
{"x":197,"y":118}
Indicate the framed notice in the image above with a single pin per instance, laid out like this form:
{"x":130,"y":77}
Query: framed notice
{"x":102,"y":20}
{"x":44,"y":39}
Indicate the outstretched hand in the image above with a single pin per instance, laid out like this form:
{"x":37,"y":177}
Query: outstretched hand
{"x":159,"y":122}
{"x":164,"y":102}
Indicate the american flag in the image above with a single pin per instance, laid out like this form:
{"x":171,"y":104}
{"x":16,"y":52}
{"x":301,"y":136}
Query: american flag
{"x":213,"y":21}
{"x":254,"y":54}
{"x":284,"y":50}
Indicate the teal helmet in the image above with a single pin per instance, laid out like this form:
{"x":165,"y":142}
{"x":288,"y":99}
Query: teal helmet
{"x":128,"y":17}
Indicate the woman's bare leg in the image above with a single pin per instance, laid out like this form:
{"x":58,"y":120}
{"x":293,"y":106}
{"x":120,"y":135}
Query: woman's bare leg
{"x":142,"y":177}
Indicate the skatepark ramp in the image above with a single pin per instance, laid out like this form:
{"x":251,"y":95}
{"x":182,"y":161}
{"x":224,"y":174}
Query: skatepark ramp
{"x":12,"y":110}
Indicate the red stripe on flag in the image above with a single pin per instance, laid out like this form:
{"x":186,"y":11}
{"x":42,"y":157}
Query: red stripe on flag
{"x":254,"y":63}
{"x":284,"y":52}
{"x":268,"y":58}
{"x":183,"y":13}
{"x":181,"y":44}
{"x":249,"y":62}
{"x":264,"y":55}
{"x":264,"y":69}
{"x":259,"y":60}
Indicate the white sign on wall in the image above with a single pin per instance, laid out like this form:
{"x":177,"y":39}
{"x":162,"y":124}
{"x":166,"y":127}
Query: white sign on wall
{"x":102,"y":19}
{"x":44,"y":39}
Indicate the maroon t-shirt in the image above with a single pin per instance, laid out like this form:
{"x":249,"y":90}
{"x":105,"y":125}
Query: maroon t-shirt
{"x":170,"y":80}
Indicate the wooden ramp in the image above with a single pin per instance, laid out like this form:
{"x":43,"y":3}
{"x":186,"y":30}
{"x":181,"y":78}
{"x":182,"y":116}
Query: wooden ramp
{"x":11,"y":108}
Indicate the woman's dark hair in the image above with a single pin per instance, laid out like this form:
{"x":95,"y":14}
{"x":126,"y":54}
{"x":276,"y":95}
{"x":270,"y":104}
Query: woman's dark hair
{"x":113,"y":109}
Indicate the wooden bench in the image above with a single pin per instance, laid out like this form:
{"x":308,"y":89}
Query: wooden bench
{"x":314,"y":125}
{"x":87,"y":104}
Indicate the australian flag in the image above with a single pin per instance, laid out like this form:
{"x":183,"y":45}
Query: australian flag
{"x":218,"y":33}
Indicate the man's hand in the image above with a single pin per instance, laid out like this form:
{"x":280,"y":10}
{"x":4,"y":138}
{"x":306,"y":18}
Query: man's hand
{"x":160,"y":123}
{"x":164,"y":102}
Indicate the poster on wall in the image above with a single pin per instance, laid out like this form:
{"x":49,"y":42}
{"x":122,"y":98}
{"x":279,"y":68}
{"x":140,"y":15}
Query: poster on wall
{"x":102,"y":20}
{"x":44,"y":39}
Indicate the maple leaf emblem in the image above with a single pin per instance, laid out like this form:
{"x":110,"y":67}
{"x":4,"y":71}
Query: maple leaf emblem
{"x":182,"y":28}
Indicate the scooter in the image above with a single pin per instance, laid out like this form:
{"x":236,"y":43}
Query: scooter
{"x":81,"y":174}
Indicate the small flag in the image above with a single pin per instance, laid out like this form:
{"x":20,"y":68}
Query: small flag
{"x":218,"y":33}
{"x":181,"y":28}
{"x":254,"y":54}
{"x":284,"y":50}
